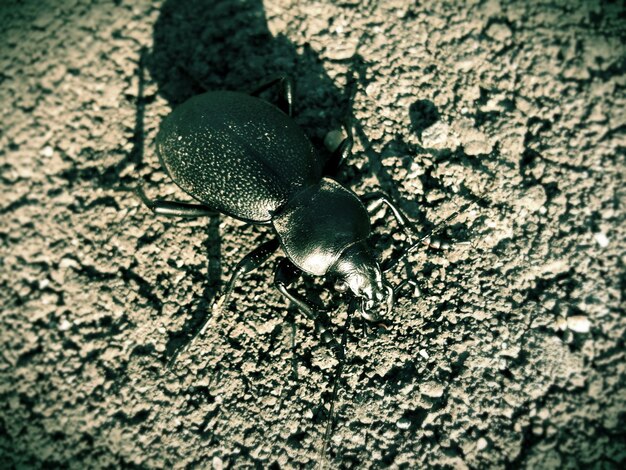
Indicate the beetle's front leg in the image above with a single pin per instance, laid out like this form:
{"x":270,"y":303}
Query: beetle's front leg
{"x":286,"y":274}
{"x":374,"y":200}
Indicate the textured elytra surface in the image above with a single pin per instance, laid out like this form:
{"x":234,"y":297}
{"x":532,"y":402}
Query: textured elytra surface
{"x":511,"y":356}
{"x":237,"y":154}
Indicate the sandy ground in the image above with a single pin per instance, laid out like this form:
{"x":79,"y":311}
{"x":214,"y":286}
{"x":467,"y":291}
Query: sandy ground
{"x":511,"y":355}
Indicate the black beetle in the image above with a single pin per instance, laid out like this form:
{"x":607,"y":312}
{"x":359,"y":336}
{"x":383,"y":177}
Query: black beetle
{"x":242,"y":156}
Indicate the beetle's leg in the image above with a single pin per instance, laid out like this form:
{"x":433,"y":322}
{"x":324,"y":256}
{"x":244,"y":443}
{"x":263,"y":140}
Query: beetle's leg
{"x":397,"y":291}
{"x":250,"y":262}
{"x":174,"y":208}
{"x":286,"y":274}
{"x":339,"y":154}
{"x":285,"y":92}
{"x":374,"y":200}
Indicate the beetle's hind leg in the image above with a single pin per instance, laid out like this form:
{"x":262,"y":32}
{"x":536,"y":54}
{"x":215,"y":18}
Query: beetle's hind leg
{"x":249,"y":263}
{"x":286,"y":274}
{"x":285,"y":92}
{"x":173,"y":208}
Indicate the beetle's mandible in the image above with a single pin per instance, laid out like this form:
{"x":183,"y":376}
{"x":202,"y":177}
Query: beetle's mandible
{"x":239,"y":155}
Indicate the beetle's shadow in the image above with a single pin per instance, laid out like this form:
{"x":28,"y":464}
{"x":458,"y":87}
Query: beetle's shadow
{"x":212,"y":247}
{"x":220,"y":44}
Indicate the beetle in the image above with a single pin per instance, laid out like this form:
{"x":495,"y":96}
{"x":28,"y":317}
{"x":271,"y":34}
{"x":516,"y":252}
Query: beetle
{"x":240,"y":155}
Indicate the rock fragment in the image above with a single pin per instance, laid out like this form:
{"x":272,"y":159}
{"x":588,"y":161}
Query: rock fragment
{"x":579,"y":324}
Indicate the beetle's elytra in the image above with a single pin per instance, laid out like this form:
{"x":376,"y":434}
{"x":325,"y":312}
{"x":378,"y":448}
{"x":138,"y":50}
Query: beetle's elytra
{"x":239,"y":155}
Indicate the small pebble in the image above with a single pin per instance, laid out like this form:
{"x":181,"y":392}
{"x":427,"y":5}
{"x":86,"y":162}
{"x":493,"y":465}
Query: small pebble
{"x":544,"y":413}
{"x":432,"y":389}
{"x":217,"y":463}
{"x":403,"y":423}
{"x":579,"y":324}
{"x":601,"y":239}
{"x":68,"y":263}
{"x":499,"y":32}
{"x":481,"y":444}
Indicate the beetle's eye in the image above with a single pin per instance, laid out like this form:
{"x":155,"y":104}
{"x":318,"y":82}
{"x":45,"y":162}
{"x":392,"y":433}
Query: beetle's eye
{"x":341,"y":286}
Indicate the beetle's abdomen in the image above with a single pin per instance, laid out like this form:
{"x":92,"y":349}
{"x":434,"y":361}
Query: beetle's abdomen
{"x":237,"y":154}
{"x":319,"y":223}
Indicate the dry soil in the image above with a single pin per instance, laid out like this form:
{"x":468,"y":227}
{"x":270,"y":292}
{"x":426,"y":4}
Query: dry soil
{"x":510,"y":351}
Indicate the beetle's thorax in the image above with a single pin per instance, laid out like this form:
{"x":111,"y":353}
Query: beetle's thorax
{"x":319,"y":223}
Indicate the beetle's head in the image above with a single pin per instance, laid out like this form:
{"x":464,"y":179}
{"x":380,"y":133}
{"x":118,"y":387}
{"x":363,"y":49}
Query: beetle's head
{"x":357,"y":270}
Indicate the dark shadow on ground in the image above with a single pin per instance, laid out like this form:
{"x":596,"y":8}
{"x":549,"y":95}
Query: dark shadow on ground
{"x":224,"y":44}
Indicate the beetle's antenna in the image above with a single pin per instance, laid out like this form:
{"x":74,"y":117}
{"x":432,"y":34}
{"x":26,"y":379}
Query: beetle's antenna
{"x":424,"y":239}
{"x":341,"y":356}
